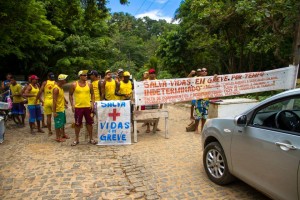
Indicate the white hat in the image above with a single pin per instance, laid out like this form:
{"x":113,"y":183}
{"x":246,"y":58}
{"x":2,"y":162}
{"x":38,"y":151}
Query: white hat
{"x":62,"y":77}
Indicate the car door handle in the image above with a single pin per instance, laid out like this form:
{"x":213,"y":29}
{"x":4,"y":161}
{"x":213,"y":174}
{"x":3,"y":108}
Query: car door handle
{"x":285,"y":146}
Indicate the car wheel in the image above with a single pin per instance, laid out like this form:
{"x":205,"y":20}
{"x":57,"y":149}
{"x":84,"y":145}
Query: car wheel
{"x":215,"y":164}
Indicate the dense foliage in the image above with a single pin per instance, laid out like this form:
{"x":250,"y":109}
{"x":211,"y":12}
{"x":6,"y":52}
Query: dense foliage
{"x":232,"y":36}
{"x":65,"y":36}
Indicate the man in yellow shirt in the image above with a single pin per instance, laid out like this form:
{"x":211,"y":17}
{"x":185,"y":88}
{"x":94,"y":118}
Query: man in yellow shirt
{"x":34,"y":107}
{"x":58,"y":107}
{"x":18,"y":101}
{"x":124,"y":87}
{"x":96,"y":84}
{"x":83,"y":105}
{"x":108,"y":87}
{"x":47,"y":88}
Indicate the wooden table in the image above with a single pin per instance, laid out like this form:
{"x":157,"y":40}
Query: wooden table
{"x":148,"y":116}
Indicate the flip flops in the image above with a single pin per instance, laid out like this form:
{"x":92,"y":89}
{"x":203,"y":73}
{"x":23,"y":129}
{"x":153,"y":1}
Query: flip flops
{"x":92,"y":142}
{"x":59,"y":140}
{"x":66,"y":136}
{"x":74,"y":143}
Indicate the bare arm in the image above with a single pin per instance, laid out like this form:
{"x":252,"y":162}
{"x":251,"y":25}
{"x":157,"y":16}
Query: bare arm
{"x":3,"y":87}
{"x":118,"y":89}
{"x":41,"y":90}
{"x":99,"y":88}
{"x":191,"y":74}
{"x":55,"y":95}
{"x":92,"y":93}
{"x":66,"y":102}
{"x":103,"y":90}
{"x":27,"y":91}
{"x":71,"y":92}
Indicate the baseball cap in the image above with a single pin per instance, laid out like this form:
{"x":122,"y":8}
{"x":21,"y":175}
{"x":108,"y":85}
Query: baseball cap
{"x":51,"y":76}
{"x":33,"y":77}
{"x":126,"y":73}
{"x":120,"y":70}
{"x":107,"y":71}
{"x":199,"y":70}
{"x":82,"y":72}
{"x":62,"y":77}
{"x":93,"y":72}
{"x":151,"y":71}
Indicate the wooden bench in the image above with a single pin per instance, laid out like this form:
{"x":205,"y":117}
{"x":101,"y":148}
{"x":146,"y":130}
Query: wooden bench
{"x":150,"y":116}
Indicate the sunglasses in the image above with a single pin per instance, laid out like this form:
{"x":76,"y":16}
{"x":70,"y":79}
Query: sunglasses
{"x":204,"y":70}
{"x":83,"y":75}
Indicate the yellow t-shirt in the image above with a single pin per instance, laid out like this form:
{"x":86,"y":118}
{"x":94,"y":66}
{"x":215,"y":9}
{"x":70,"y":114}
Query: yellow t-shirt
{"x":110,"y":88}
{"x":60,"y":102}
{"x":82,"y":96}
{"x":48,"y":90}
{"x":16,"y":90}
{"x":34,"y":91}
{"x":96,"y":90}
{"x":125,"y":88}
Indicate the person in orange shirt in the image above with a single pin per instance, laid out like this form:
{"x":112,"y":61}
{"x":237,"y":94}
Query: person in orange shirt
{"x":82,"y":100}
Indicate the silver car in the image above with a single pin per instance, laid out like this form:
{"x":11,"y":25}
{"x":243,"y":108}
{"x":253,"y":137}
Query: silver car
{"x":261,"y":147}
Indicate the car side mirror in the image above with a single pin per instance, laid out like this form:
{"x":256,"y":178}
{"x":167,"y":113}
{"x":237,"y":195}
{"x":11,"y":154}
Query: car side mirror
{"x":241,"y":120}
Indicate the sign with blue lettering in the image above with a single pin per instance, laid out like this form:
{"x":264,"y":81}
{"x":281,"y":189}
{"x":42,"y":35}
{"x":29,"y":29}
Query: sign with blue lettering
{"x":114,"y":126}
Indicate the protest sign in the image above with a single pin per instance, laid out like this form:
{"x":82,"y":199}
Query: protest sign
{"x":114,"y":126}
{"x":185,"y":89}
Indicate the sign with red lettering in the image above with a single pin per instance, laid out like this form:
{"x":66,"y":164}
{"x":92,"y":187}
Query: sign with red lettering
{"x":186,"y":89}
{"x":114,"y":127}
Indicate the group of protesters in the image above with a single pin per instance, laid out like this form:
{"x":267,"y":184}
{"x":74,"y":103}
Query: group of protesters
{"x":82,"y":97}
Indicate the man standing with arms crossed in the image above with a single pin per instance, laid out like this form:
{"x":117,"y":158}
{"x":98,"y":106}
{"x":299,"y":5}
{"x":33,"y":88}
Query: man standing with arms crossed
{"x":83,"y":105}
{"x":58,"y":106}
{"x":47,"y":88}
{"x":108,"y":88}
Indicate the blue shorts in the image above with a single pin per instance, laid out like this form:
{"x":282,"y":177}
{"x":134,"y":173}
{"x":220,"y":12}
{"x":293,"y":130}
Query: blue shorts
{"x":35,"y":113}
{"x":18,"y":109}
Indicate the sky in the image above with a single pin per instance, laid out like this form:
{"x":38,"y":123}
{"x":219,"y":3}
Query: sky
{"x":154,"y":9}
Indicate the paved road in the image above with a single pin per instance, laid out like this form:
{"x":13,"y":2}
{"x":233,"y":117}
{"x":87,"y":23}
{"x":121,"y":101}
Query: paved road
{"x":37,"y":167}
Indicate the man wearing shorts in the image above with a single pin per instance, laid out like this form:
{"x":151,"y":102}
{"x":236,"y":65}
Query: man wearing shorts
{"x":34,"y":107}
{"x":82,"y":105}
{"x":58,"y":106}
{"x":18,"y":101}
{"x":47,"y":88}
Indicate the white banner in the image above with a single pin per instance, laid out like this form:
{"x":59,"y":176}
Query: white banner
{"x":114,"y":126}
{"x":186,"y":89}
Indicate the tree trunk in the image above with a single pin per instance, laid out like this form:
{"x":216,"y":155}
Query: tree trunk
{"x":296,"y":44}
